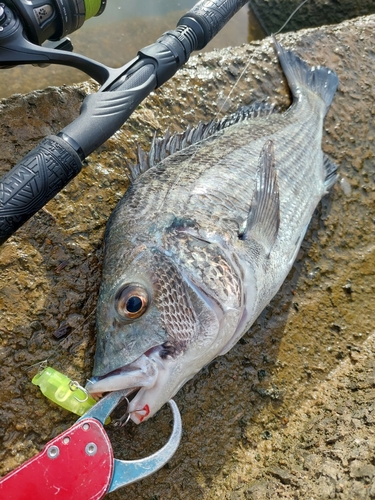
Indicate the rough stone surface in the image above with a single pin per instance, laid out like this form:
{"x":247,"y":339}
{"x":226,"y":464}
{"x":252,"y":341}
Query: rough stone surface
{"x":273,"y":13}
{"x":289,"y":412}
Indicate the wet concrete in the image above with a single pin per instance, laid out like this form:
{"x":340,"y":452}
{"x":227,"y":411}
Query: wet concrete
{"x":289,"y":411}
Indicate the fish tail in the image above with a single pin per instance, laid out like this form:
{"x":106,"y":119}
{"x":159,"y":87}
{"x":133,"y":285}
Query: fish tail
{"x":319,"y":79}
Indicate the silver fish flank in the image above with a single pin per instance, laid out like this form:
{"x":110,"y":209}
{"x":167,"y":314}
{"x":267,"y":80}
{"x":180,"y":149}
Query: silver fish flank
{"x":205,"y":237}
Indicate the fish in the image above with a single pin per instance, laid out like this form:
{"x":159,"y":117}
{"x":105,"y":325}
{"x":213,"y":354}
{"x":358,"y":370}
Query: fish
{"x":205,"y":236}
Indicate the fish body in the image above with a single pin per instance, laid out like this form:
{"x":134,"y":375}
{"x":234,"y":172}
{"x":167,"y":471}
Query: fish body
{"x":203,"y":239}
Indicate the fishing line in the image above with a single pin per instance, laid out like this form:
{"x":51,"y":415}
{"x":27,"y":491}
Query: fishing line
{"x":215,"y":118}
{"x":248,"y":63}
{"x":290,"y":17}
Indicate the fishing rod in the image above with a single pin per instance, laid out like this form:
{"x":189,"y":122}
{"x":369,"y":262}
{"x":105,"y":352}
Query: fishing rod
{"x":57,"y":159}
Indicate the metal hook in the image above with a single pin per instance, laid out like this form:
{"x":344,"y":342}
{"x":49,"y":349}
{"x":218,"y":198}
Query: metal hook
{"x":73,"y":386}
{"x":121,"y":422}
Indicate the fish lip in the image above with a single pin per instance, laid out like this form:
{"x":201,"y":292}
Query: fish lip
{"x":143,"y":372}
{"x":114,"y":373}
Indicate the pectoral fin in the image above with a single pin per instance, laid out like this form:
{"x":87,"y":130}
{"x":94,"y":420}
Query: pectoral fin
{"x":263,"y":220}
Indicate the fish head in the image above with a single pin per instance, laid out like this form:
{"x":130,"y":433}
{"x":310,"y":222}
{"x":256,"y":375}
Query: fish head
{"x":154,"y":330}
{"x":128,"y":321}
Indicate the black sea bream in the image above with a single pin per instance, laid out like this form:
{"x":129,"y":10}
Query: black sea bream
{"x":204,"y":238}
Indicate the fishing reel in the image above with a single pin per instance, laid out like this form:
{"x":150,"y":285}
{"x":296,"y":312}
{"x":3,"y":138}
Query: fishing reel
{"x":42,"y":173}
{"x":27,"y":24}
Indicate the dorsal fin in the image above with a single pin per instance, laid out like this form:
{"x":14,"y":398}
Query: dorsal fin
{"x":170,"y":144}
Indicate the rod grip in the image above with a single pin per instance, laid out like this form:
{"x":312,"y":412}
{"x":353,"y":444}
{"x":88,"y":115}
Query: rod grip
{"x":207,"y":17}
{"x":37,"y":178}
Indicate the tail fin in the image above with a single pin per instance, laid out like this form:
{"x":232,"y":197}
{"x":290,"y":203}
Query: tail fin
{"x":319,"y":79}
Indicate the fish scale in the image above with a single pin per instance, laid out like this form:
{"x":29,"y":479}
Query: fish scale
{"x":208,"y":198}
{"x":211,"y":267}
{"x":206,"y":237}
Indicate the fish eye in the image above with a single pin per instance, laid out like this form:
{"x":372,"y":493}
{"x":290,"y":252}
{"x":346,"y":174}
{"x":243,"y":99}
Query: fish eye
{"x":131,"y":301}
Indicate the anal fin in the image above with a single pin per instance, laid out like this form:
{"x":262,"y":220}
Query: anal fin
{"x":331,"y":172}
{"x":263,"y":221}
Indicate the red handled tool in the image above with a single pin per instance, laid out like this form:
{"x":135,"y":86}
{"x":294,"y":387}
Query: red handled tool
{"x":79,"y":464}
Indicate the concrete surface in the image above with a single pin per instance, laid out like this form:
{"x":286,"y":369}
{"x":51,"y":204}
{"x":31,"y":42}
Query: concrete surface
{"x":289,"y":412}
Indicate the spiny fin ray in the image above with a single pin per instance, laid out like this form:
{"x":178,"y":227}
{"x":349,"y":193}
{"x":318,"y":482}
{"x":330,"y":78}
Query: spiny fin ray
{"x":331,"y":172}
{"x":170,"y":144}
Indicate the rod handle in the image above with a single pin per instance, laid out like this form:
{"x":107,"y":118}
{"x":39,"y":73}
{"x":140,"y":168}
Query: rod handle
{"x":208,"y":17}
{"x":37,"y":178}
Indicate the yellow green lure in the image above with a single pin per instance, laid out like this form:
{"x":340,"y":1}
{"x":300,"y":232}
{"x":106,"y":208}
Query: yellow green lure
{"x":63,"y":391}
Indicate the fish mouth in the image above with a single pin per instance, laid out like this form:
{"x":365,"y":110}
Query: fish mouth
{"x":148,"y":372}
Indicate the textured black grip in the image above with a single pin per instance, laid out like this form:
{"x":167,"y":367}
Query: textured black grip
{"x":211,"y":16}
{"x":103,"y":113}
{"x":36,"y":179}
